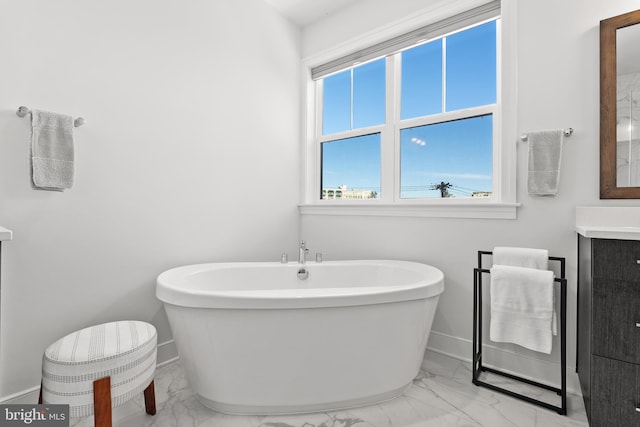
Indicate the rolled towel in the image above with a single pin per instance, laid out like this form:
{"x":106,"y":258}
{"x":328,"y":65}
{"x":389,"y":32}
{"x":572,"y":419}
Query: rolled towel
{"x":521,"y":257}
{"x":545,"y":152}
{"x":52,"y":152}
{"x":522,"y":307}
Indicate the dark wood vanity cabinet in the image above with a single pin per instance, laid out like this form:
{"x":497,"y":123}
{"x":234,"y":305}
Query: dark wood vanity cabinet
{"x":609,"y":330}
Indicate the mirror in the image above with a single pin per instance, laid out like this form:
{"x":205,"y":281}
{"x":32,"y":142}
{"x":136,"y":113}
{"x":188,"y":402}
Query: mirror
{"x":620,"y":107}
{"x":628,"y":106}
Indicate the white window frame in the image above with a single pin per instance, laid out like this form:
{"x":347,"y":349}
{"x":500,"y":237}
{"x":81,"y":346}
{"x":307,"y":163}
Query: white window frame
{"x":503,"y":203}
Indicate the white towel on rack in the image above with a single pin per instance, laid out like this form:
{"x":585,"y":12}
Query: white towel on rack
{"x":522,"y":307}
{"x":545,"y":152}
{"x":521,"y":257}
{"x":52,"y":153}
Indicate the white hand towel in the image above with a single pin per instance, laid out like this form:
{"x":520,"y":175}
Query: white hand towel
{"x":525,"y":257}
{"x":545,"y":152}
{"x":522,"y":307}
{"x":521,"y":257}
{"x":52,"y":154}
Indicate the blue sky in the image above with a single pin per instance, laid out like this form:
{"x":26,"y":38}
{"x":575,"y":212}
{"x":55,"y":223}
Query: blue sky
{"x":456,"y":152}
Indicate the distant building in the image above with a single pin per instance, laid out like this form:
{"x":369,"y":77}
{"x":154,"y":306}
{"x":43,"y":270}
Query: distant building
{"x":342,"y":192}
{"x":481,"y":194}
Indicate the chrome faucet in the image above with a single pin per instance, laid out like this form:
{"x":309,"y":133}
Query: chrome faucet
{"x":302,"y":252}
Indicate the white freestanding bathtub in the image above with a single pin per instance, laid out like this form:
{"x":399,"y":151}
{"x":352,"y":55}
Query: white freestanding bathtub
{"x":254,"y":338}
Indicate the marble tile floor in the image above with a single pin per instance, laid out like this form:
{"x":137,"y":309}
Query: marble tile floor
{"x":441,"y":395}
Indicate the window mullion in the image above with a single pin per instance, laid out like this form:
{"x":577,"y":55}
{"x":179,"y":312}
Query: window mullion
{"x":444,"y":75}
{"x":351,"y":133}
{"x":397,"y":114}
{"x":387,"y":145}
{"x":314,"y":178}
{"x":351,"y":102}
{"x":449,"y":116}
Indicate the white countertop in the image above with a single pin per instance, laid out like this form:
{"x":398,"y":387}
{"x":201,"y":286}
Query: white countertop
{"x":600,"y":222}
{"x":5,"y":234}
{"x":609,"y":232}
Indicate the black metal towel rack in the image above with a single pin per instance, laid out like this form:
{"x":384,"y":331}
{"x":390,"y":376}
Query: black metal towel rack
{"x":478,"y":367}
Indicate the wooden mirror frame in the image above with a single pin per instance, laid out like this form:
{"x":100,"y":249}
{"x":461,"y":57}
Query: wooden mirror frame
{"x":608,"y":95}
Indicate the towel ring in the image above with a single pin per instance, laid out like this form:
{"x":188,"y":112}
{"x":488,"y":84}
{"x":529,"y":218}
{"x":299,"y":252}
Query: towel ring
{"x":23,"y":111}
{"x":567,"y":132}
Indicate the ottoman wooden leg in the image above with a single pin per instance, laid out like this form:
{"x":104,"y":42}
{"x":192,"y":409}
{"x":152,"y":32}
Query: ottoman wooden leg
{"x":40,"y":395}
{"x":150,"y":399}
{"x":102,"y":402}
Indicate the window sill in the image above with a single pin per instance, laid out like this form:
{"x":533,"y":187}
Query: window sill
{"x":450,"y":209}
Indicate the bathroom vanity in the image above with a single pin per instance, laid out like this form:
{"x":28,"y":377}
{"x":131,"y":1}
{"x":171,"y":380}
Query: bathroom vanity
{"x":609,"y":314}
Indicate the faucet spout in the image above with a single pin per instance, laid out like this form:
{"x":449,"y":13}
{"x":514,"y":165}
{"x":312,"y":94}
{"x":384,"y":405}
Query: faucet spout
{"x":302,"y":252}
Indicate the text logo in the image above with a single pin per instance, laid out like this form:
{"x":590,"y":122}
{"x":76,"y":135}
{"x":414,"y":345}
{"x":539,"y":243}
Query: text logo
{"x":34,"y":415}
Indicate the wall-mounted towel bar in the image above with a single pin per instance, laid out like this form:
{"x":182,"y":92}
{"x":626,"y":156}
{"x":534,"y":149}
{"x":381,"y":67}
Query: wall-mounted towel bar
{"x":23,"y":111}
{"x":567,"y":133}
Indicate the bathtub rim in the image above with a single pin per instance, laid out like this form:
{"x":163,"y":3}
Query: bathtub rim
{"x":168,"y":288}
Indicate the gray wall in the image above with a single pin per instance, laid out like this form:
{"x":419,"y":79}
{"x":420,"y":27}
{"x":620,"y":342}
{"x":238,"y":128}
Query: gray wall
{"x":189,"y":154}
{"x":558,"y":87}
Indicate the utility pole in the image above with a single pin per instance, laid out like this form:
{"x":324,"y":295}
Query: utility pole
{"x":443,"y":187}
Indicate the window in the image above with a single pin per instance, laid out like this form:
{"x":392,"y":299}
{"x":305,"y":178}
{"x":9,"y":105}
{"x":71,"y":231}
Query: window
{"x":416,"y":123}
{"x":448,"y":158}
{"x":351,"y":160}
{"x":455,"y":162}
{"x":353,"y":99}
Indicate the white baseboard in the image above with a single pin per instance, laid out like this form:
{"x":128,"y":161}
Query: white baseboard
{"x":167,"y":353}
{"x":24,"y":397}
{"x":543,"y":371}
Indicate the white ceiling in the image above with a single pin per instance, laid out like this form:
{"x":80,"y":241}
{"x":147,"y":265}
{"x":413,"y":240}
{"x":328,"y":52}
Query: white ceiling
{"x":306,"y":12}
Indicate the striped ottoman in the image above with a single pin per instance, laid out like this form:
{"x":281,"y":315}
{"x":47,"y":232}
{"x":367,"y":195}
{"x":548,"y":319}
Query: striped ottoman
{"x":99,"y":368}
